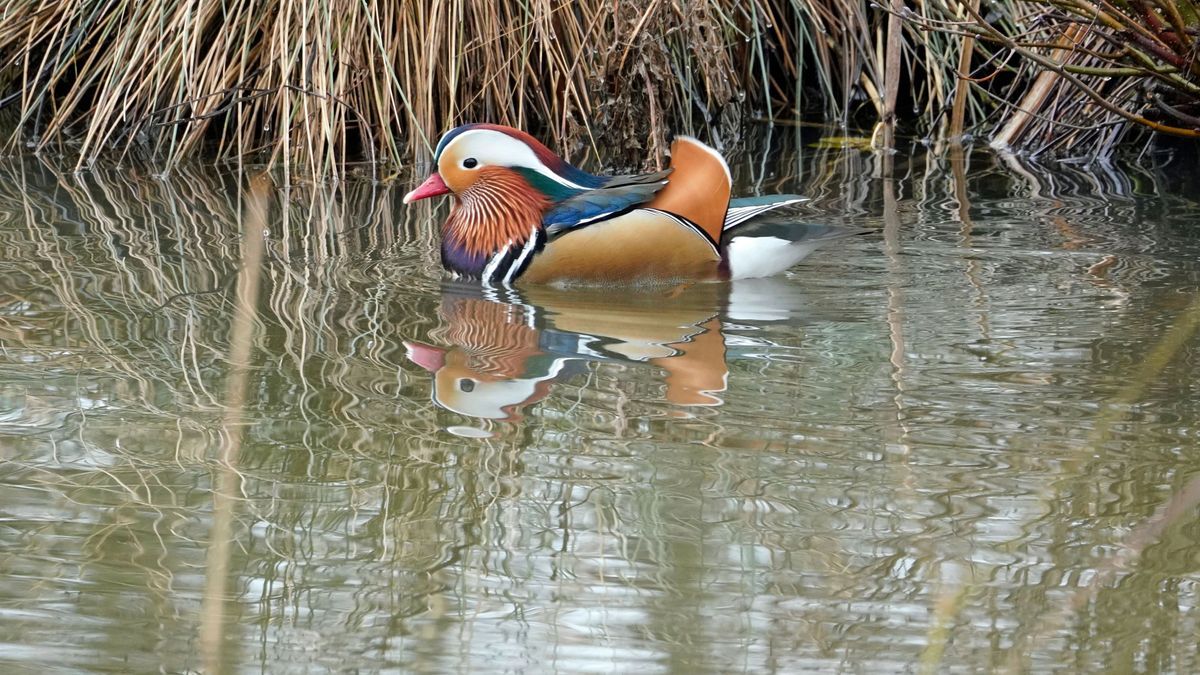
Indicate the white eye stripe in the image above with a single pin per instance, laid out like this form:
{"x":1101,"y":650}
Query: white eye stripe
{"x":494,"y":148}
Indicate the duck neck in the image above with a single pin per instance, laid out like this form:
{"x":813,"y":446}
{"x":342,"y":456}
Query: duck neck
{"x":494,"y":228}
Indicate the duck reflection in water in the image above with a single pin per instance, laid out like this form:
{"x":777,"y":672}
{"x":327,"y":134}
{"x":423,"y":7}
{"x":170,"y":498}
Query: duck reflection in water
{"x":508,"y":348}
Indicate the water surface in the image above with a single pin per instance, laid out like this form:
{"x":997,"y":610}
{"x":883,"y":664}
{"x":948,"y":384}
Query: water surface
{"x":248,"y":428}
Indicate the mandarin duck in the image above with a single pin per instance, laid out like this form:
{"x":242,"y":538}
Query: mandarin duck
{"x":521,"y":213}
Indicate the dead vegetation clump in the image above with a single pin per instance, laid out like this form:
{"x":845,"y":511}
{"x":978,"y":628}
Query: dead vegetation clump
{"x":320,"y":83}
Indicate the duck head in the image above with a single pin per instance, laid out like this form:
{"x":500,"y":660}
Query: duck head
{"x":502,"y":180}
{"x":462,"y":385}
{"x":494,"y":366}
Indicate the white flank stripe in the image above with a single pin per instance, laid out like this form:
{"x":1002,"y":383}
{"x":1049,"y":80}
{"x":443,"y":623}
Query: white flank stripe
{"x":595,"y":218}
{"x":530,"y":244}
{"x":490,"y":270}
{"x":555,"y":229}
{"x":691,"y":226}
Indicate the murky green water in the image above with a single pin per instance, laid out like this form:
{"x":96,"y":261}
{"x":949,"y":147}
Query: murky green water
{"x":967,"y":442}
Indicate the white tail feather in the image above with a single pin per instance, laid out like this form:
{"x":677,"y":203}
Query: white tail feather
{"x":736,"y":215}
{"x":752,"y":257}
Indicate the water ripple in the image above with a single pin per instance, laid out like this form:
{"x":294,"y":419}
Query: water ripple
{"x":952,"y":430}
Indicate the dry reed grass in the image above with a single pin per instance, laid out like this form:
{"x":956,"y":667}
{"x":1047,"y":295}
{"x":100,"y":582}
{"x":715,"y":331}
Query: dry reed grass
{"x":1074,"y":77}
{"x":318,"y":84}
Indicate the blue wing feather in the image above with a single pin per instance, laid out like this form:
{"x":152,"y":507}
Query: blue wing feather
{"x":596,"y":205}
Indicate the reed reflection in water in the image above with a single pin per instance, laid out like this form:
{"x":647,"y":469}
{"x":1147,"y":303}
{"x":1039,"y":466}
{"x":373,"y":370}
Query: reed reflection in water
{"x":965,"y":443}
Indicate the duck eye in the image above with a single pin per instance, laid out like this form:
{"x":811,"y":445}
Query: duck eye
{"x":470,"y":163}
{"x":466,"y":385}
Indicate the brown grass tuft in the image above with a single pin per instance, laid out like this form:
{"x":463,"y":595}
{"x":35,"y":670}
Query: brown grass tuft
{"x":319,"y":82}
{"x":315,"y":84}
